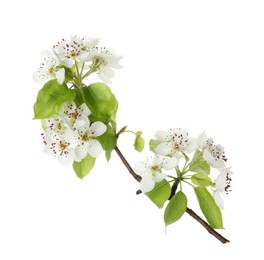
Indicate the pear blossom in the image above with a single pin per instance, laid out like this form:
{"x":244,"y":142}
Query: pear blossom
{"x":104,"y":60}
{"x":54,"y":126}
{"x":75,"y":116}
{"x":213,"y":154}
{"x":152,"y":170}
{"x":73,"y":49}
{"x":49,"y":69}
{"x":222,"y":185}
{"x":61,"y":146}
{"x":175,"y":142}
{"x":86,"y":142}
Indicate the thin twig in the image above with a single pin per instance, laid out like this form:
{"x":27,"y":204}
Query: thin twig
{"x":188,"y":210}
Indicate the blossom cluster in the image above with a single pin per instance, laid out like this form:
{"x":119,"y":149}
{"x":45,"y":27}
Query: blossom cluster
{"x":70,"y":136}
{"x":82,"y":55}
{"x":175,"y":145}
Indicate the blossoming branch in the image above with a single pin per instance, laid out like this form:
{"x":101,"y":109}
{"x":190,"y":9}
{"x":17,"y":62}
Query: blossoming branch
{"x":79,"y":124}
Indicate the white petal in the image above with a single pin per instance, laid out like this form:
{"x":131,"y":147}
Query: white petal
{"x":40,"y":77}
{"x":104,"y":78}
{"x":94,"y":148}
{"x":84,"y":109}
{"x":159,"y":177}
{"x":67,"y":62}
{"x":192,"y":145}
{"x":83,"y":56}
{"x":163,"y":136}
{"x":147,"y":183}
{"x":65,"y":160}
{"x":80,"y":152}
{"x":212,"y":161}
{"x":60,"y":75}
{"x":170,"y":163}
{"x":97,"y":129}
{"x":202,"y":140}
{"x":107,"y":72}
{"x":218,"y":199}
{"x":163,"y":149}
{"x":220,"y":182}
{"x":140,"y":167}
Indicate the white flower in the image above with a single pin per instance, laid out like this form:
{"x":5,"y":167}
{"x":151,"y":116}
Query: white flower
{"x":222,"y":185}
{"x":86,"y":143}
{"x":75,"y":116}
{"x":213,"y":154}
{"x":74,"y":49}
{"x":105,"y":60}
{"x":175,"y":142}
{"x":61,"y":146}
{"x":152,"y":170}
{"x":54,"y":126}
{"x":49,"y":69}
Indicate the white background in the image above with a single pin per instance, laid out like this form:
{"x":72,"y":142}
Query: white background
{"x":193,"y":64}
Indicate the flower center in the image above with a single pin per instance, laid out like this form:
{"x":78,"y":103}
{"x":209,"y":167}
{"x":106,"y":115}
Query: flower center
{"x":154,"y":169}
{"x":99,"y":61}
{"x":51,"y":71}
{"x":85,"y":137}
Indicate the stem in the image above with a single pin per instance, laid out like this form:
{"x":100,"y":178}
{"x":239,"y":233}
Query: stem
{"x":188,"y":210}
{"x":206,"y":226}
{"x":129,"y":168}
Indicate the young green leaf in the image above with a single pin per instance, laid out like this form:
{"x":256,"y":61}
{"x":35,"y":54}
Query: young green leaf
{"x":139,"y":142}
{"x":175,"y":208}
{"x":100,"y":100}
{"x":201,"y":180}
{"x":83,"y":167}
{"x":108,"y":141}
{"x":160,"y":193}
{"x":50,"y":98}
{"x":198,"y":164}
{"x":209,"y":208}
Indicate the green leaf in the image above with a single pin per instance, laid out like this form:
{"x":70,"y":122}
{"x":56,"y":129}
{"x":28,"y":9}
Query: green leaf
{"x":201,"y":180}
{"x":160,"y":193}
{"x":209,"y":208}
{"x":198,"y":163}
{"x":83,"y":167}
{"x":108,"y":141}
{"x":176,"y":208}
{"x":139,"y":142}
{"x":50,"y":98}
{"x":153,"y":144}
{"x":100,"y":100}
{"x":68,"y":74}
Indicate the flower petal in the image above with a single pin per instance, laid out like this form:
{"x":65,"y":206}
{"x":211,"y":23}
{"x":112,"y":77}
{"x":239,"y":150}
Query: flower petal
{"x":159,"y":177}
{"x":80,"y":152}
{"x":147,"y":183}
{"x":202,"y":140}
{"x":140,"y":167}
{"x":170,"y":163}
{"x":163,"y":136}
{"x":216,"y":163}
{"x":60,"y":75}
{"x":218,"y":199}
{"x":220,"y":182}
{"x":104,"y":78}
{"x":163,"y":149}
{"x":192,"y":145}
{"x":94,"y":148}
{"x":97,"y":129}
